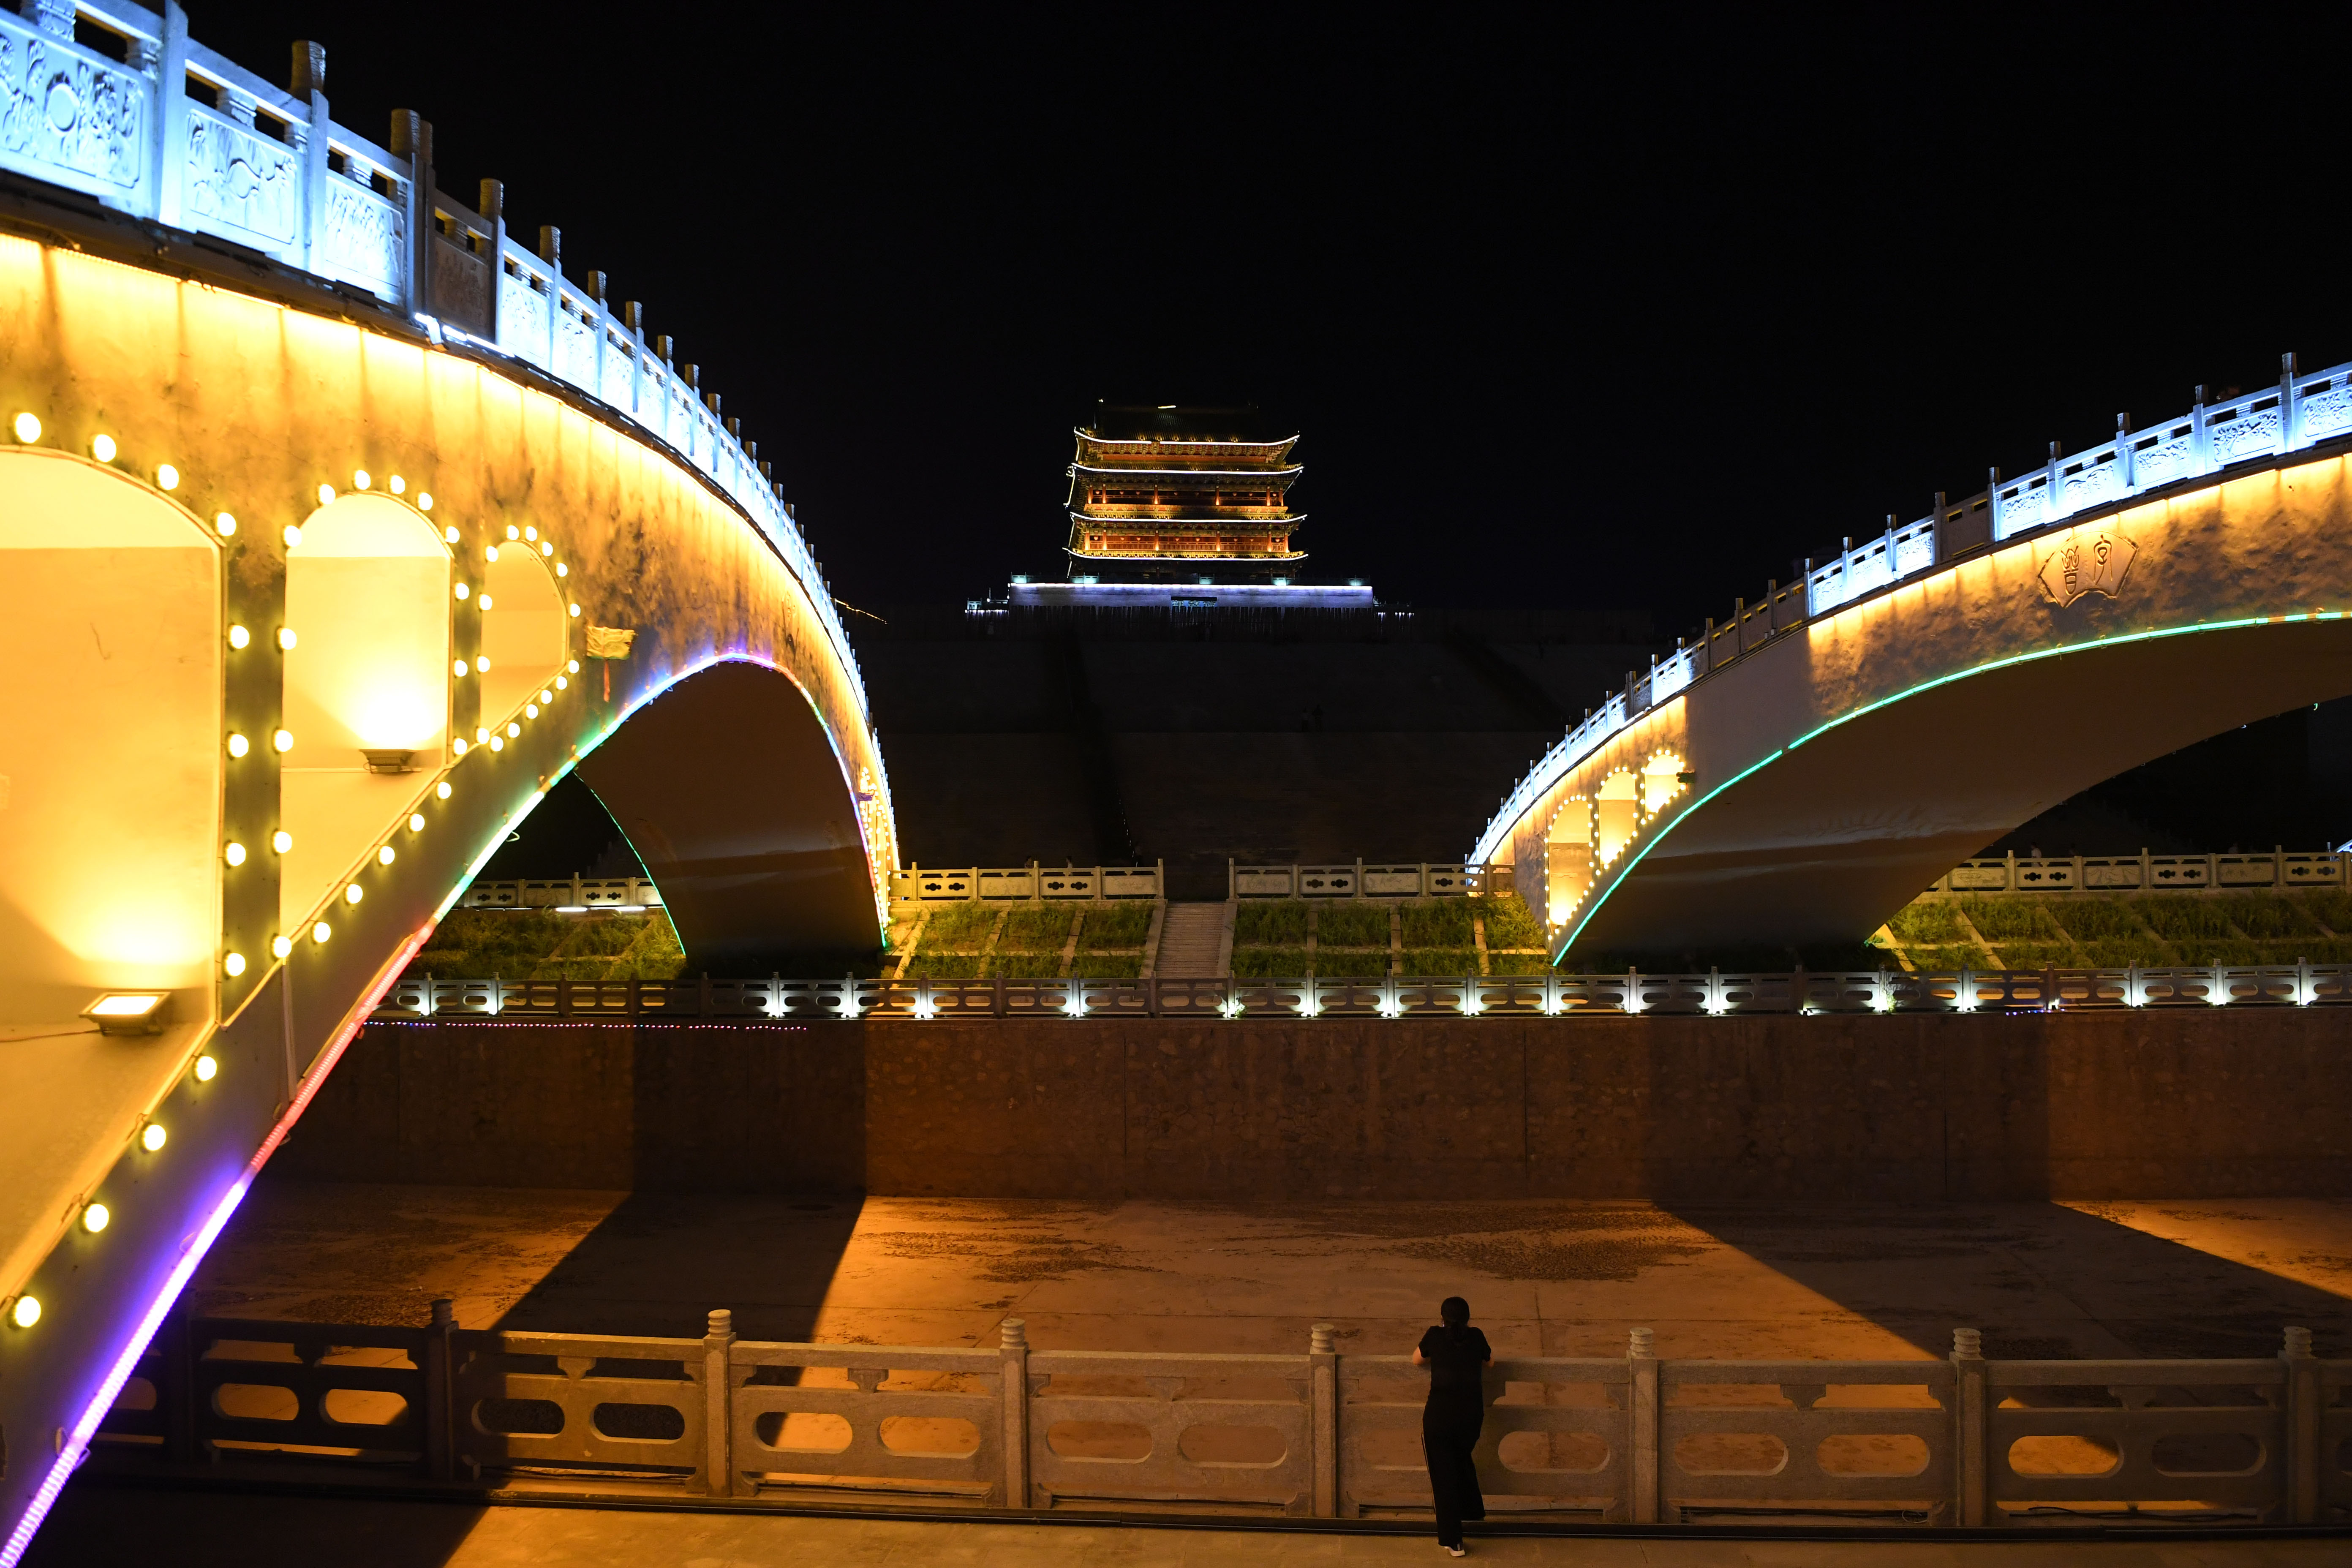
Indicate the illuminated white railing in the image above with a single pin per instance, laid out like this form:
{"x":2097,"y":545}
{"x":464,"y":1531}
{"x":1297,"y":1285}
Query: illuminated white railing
{"x":2300,"y":411}
{"x":994,"y":884}
{"x":267,"y":170}
{"x":570,"y":894}
{"x":1365,"y":880}
{"x":2154,"y":873}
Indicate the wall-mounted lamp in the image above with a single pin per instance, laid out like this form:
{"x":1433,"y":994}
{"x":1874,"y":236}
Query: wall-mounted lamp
{"x":384,"y":761}
{"x":131,"y":1012}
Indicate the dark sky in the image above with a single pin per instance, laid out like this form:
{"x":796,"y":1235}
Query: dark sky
{"x":1568,"y":311}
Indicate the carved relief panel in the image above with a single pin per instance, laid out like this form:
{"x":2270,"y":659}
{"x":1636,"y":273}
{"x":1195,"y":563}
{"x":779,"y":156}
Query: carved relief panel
{"x":363,"y":238}
{"x":64,"y":115}
{"x":239,"y":182}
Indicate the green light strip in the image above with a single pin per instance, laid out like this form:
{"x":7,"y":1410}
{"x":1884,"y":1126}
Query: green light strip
{"x":1998,"y":663}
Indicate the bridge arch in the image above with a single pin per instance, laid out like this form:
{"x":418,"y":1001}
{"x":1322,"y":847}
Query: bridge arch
{"x":1842,"y":748}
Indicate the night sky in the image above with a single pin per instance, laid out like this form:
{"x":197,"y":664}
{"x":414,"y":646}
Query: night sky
{"x":1568,"y":312}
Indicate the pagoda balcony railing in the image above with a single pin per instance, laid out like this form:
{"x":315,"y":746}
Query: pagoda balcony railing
{"x":2301,"y":411}
{"x":367,"y":221}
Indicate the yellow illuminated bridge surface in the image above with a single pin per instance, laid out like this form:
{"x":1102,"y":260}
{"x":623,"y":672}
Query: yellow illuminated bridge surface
{"x":301,"y":615}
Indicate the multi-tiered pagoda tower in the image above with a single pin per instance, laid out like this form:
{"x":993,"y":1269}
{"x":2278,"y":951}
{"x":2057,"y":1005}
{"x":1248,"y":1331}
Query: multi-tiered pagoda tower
{"x":1171,"y":504}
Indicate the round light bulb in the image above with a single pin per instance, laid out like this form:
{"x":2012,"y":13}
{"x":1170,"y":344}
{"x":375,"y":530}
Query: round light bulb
{"x":326,"y":495}
{"x":233,"y":964}
{"x":285,"y":638}
{"x":562,"y":681}
{"x":574,"y":665}
{"x":360,"y":480}
{"x":442,"y":789}
{"x":383,"y":855}
{"x":451,"y":534}
{"x":354,"y":893}
{"x":546,"y":547}
{"x":485,"y":601}
{"x":498,"y":742}
{"x":167,"y":477}
{"x":239,"y":637}
{"x":282,"y":841}
{"x":513,"y":533}
{"x":458,"y":745}
{"x":490,"y":552}
{"x":530,"y":534}
{"x":547,"y":697}
{"x":293,"y":536}
{"x":25,"y":1313}
{"x":416,"y":818}
{"x":562,"y":570}
{"x":480,"y":736}
{"x":233,"y":853}
{"x":459,"y":667}
{"x":223,"y":525}
{"x":94,"y":1217}
{"x":483,"y":664}
{"x":101,"y":447}
{"x":399,"y":485}
{"x":207,"y":1069}
{"x":152,"y":1137}
{"x":27,"y":427}
{"x":321,"y":931}
{"x":238,"y":745}
{"x":283,"y":740}
{"x":425,"y":503}
{"x":463,"y":592}
{"x":514,"y":732}
{"x":280,"y":946}
{"x":530,"y":710}
{"x":575,"y":612}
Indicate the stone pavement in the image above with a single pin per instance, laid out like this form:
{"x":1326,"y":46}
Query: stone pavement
{"x":100,"y":1527}
{"x":2152,"y":1277}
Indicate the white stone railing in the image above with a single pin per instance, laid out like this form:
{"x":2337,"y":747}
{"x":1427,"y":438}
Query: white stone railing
{"x":575,"y":895}
{"x":1966,"y":1441}
{"x":267,"y":170}
{"x":1008,"y":884}
{"x":2146,"y":872}
{"x":2300,"y":411}
{"x":1365,"y":879}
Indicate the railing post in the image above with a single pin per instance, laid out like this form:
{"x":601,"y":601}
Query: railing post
{"x":412,"y":135}
{"x":1323,"y":1418}
{"x":1641,"y":1426}
{"x":1012,"y":1345}
{"x":492,"y":207}
{"x":440,"y":1413}
{"x":719,"y":1403}
{"x":171,"y":115}
{"x":2304,"y":1397}
{"x":1969,"y":1399}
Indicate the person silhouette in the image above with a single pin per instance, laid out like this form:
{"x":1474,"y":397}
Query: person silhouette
{"x":1457,"y":1356}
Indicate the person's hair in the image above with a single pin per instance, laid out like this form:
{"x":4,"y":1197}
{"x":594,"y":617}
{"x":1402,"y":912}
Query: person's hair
{"x":1455,"y":1313}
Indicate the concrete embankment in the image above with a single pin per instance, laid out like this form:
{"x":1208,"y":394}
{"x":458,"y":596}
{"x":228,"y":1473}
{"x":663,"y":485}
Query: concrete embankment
{"x":2186,"y":1103}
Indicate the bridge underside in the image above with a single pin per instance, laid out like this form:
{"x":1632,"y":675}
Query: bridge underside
{"x":1820,"y":843}
{"x":732,"y":797}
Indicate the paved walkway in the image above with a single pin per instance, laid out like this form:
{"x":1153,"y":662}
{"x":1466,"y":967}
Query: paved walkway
{"x":101,"y":1527}
{"x":2151,"y":1278}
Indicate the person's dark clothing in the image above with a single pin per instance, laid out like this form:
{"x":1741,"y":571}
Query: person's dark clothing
{"x":1449,"y":1423}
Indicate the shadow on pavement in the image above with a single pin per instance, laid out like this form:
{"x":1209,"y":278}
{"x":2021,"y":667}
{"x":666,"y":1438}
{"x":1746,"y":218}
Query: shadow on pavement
{"x":95,"y":1525}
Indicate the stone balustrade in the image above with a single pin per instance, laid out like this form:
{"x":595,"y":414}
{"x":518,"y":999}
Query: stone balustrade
{"x":1966,"y":1441}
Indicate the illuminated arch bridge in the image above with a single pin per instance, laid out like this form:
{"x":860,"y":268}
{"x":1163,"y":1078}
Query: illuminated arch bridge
{"x":1806,"y":768}
{"x":327,"y":551}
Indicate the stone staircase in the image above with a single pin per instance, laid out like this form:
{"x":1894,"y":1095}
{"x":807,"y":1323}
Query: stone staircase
{"x":1196,"y":942}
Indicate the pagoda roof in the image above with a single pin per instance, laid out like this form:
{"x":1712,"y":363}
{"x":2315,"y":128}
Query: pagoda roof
{"x":1288,"y":520}
{"x":1185,"y":422}
{"x":1190,"y":559}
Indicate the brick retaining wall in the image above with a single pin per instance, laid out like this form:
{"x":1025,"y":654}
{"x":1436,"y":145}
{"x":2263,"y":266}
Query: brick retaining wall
{"x":2188,"y":1102}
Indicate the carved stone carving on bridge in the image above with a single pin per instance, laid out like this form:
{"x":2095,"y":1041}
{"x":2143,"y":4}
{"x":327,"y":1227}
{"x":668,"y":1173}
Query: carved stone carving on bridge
{"x":2086,"y":561}
{"x":365,"y":238}
{"x":71,"y":113}
{"x":237,"y":177}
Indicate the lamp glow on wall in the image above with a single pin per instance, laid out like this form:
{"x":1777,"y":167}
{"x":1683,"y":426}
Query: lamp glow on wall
{"x":367,"y":679}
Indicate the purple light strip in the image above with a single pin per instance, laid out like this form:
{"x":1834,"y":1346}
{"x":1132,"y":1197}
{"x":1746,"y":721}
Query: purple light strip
{"x":70,"y":1457}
